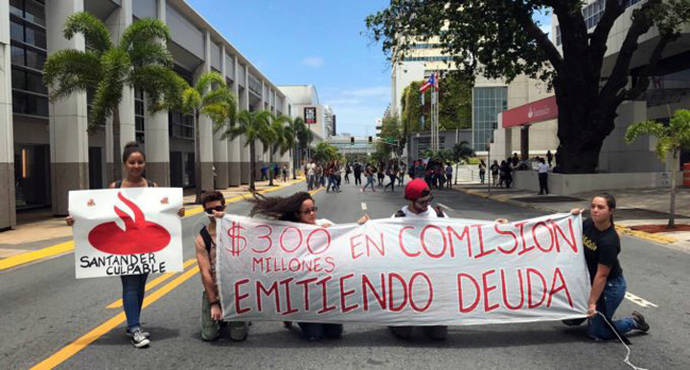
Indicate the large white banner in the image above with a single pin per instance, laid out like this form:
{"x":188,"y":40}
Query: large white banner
{"x":126,"y":231}
{"x":403,"y":271}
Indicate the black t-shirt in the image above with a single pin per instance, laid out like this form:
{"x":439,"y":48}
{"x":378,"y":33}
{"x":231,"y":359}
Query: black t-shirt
{"x":601,"y":247}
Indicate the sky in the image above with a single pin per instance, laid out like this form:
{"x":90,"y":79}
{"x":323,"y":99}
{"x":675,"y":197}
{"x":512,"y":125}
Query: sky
{"x":319,"y":42}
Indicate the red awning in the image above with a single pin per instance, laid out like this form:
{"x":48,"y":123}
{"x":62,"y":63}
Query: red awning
{"x":538,"y":111}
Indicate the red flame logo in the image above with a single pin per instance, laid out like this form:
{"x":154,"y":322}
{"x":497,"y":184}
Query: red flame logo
{"x":139,"y":236}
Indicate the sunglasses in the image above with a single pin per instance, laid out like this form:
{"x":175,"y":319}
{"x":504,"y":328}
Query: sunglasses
{"x":309,"y":210}
{"x":216,"y":208}
{"x":425,"y":201}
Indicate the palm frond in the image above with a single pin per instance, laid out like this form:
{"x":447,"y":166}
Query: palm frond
{"x":108,"y":95}
{"x":95,"y":33}
{"x":636,"y":130}
{"x":67,"y":71}
{"x":144,"y":31}
{"x":163,"y":87}
{"x":208,"y":79}
{"x":146,"y":53}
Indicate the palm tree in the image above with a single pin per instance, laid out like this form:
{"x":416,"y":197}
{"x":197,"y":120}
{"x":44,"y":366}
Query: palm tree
{"x":291,"y":131}
{"x":462,"y":151}
{"x":139,"y":60}
{"x":254,"y":125}
{"x":671,"y":139}
{"x":212,"y":98}
{"x":279,"y":140}
{"x":304,"y":136}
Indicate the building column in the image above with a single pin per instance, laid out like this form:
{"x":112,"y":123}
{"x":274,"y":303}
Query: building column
{"x":244,"y":148}
{"x":69,"y":142}
{"x":7,"y":198}
{"x":206,"y":127}
{"x":156,"y":134}
{"x":235,"y":163}
{"x":220,"y":146}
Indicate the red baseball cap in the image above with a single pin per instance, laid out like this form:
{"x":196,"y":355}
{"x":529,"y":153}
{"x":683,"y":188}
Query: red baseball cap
{"x":414,"y":189}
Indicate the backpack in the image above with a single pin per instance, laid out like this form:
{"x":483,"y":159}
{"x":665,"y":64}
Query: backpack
{"x":439,"y":212}
{"x":208,"y":241}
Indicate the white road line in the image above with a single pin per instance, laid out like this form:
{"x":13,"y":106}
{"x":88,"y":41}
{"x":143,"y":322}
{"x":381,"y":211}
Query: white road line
{"x":445,"y":206}
{"x":364,"y":206}
{"x":639,"y":300}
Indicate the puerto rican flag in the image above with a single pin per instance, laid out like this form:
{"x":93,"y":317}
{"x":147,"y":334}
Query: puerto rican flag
{"x":430,"y":82}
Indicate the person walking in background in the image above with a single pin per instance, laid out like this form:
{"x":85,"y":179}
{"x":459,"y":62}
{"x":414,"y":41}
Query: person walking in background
{"x":311,"y":175}
{"x":391,"y":173}
{"x":506,"y":173}
{"x":357,"y":170}
{"x":381,"y":174}
{"x":369,"y":174}
{"x":543,"y":170}
{"x":549,"y":157}
{"x":494,"y":172}
{"x":482,"y":170}
{"x":449,"y":176}
{"x":348,"y":170}
{"x":401,"y":175}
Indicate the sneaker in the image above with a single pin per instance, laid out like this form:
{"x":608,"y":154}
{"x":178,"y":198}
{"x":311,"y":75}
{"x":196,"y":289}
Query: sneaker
{"x":640,"y":321}
{"x":144,"y":333}
{"x":238,"y":331}
{"x":138,"y":339}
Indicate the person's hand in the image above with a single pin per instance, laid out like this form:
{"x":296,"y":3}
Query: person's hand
{"x":501,"y":221}
{"x":326,"y":224}
{"x":216,"y":312}
{"x":576,"y":211}
{"x":592,"y":310}
{"x":363,"y":219}
{"x":180,"y":212}
{"x":69,"y":220}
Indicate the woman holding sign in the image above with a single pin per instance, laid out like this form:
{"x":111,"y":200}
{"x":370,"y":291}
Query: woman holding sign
{"x":299,"y":207}
{"x":133,"y":286}
{"x":602,"y":246}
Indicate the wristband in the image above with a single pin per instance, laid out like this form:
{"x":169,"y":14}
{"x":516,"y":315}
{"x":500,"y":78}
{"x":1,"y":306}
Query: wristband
{"x":215,"y":302}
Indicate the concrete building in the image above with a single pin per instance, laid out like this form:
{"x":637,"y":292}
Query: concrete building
{"x":305,"y":104}
{"x":45,"y":150}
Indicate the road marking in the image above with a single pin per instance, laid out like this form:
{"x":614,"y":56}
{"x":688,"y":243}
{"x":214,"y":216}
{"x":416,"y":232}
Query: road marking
{"x":639,"y":300}
{"x":445,"y":206}
{"x":82,"y":342}
{"x":62,"y":248}
{"x":364,"y":206}
{"x":27,"y":257}
{"x":157,"y":281}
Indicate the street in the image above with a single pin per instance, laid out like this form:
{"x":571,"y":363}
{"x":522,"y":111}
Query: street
{"x":46,"y":310}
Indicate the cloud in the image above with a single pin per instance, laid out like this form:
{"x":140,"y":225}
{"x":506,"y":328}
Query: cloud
{"x":314,"y":62}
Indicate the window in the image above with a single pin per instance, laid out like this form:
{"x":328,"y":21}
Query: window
{"x":26,"y":103}
{"x":139,"y":115}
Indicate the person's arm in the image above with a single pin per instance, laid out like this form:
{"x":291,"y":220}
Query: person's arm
{"x":206,"y":278}
{"x":597,"y":288}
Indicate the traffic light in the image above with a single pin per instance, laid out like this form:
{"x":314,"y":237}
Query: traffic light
{"x":352,"y":140}
{"x":370,"y":141}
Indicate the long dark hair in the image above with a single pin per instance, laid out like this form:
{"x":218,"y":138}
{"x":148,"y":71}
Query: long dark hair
{"x":610,"y":202}
{"x":279,"y":208}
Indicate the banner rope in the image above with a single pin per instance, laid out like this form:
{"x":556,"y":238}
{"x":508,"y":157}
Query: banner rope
{"x":627,"y":356}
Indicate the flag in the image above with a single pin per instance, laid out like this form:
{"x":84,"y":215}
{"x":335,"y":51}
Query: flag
{"x":430,"y":82}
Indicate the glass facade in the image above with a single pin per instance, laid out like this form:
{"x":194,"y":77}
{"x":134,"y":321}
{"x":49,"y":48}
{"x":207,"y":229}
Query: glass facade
{"x":139,"y":115}
{"x":28,"y":49}
{"x":487,"y":103}
{"x":593,"y":13}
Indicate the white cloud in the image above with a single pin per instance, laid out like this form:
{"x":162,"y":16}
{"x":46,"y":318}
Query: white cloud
{"x":314,"y":62}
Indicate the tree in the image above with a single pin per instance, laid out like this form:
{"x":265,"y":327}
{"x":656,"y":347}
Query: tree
{"x":304,"y":136}
{"x":392,"y":138}
{"x":139,"y":60}
{"x":462,"y":151}
{"x":212,"y":98}
{"x":279,"y":140}
{"x":500,"y":39}
{"x":254,"y":125}
{"x":671,"y":139}
{"x":292,"y":131}
{"x":325,"y":152}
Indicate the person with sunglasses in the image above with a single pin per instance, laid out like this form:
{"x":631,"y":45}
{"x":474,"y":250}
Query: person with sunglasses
{"x":419,"y":197}
{"x":299,"y":207}
{"x":205,"y":246}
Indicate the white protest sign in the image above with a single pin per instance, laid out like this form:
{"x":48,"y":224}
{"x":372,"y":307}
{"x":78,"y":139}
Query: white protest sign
{"x":403,"y":271}
{"x":126,"y":231}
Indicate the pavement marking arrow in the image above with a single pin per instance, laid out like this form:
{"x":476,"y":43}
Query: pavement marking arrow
{"x":82,"y":342}
{"x":153,"y":283}
{"x":364,"y":206}
{"x":639,"y":300}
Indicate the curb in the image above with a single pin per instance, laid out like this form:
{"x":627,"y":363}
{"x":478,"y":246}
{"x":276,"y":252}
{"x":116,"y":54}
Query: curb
{"x":661,"y":239}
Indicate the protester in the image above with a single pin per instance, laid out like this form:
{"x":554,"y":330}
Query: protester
{"x":264,"y":173}
{"x":494,"y":172}
{"x":549,"y":157}
{"x":328,"y":173}
{"x":381,"y":175}
{"x":134,"y":162}
{"x":602,"y":246}
{"x":419,"y":197}
{"x":285,"y":173}
{"x":514,"y":160}
{"x":299,"y":207}
{"x":276,"y":171}
{"x":543,"y":170}
{"x":506,"y":173}
{"x":419,"y":170}
{"x":369,"y":174}
{"x":482,"y":170}
{"x":311,"y":175}
{"x":358,"y":173}
{"x":449,"y":175}
{"x":391,"y":173}
{"x":348,"y":170}
{"x":205,"y":246}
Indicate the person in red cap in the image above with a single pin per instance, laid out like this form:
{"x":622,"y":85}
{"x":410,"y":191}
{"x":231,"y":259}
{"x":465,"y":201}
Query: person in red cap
{"x":419,"y":196}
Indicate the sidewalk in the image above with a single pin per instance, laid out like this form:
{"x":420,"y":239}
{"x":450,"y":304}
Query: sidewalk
{"x":39,"y":229}
{"x":634,"y":207}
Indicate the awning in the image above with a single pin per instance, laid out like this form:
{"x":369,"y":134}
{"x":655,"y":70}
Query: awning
{"x":538,"y":111}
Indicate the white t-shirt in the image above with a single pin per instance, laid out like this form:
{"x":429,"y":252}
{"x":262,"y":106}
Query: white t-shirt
{"x":310,"y":169}
{"x":324,"y":221}
{"x":429,"y":213}
{"x":543,"y":168}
